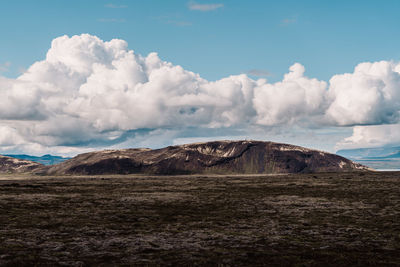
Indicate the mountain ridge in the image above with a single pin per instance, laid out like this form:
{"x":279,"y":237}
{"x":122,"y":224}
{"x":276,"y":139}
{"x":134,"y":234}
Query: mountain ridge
{"x":216,"y":157}
{"x":14,"y":165}
{"x":45,"y":159}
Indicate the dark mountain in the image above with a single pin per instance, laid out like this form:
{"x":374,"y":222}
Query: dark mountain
{"x":219,"y":157}
{"x":45,"y":159}
{"x":13,"y":165}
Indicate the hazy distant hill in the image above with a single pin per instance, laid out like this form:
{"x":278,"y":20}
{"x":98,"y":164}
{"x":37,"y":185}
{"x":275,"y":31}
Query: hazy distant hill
{"x":224,"y":157}
{"x":376,"y":152}
{"x":377,"y":158}
{"x":45,"y":159}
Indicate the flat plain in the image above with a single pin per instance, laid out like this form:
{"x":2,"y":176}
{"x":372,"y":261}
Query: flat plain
{"x":332,"y":219}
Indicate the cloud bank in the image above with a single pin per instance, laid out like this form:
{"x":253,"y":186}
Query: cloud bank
{"x":88,"y":92}
{"x":371,"y":136}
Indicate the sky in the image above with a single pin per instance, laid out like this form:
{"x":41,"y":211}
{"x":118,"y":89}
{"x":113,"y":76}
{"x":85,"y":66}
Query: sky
{"x":78,"y":76}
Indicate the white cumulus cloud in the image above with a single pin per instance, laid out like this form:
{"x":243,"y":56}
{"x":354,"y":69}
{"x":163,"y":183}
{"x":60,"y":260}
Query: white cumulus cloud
{"x":89,"y":92}
{"x":369,"y":95}
{"x":293,"y":99}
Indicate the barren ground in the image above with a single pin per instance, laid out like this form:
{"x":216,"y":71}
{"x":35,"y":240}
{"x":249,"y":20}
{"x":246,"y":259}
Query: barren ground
{"x":327,"y":219}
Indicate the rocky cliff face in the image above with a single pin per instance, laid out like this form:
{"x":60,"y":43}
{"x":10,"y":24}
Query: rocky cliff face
{"x":219,"y":157}
{"x":13,"y":165}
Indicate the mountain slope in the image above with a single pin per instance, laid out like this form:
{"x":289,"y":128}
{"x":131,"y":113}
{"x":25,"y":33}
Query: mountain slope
{"x":13,"y":165}
{"x":246,"y":157}
{"x":45,"y":159}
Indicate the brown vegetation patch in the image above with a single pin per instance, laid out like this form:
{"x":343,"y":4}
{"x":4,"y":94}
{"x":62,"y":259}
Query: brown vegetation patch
{"x":332,"y":219}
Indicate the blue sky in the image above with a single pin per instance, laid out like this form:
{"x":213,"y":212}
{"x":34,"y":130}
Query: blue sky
{"x":91,"y":93}
{"x":328,"y":37}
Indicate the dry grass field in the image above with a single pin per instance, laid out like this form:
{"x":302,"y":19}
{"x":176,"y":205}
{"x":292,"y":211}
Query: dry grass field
{"x":327,"y":219}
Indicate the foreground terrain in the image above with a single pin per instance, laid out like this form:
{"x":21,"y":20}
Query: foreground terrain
{"x":333,"y":219}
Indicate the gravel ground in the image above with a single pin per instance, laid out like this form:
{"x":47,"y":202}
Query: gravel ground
{"x":331,"y":219}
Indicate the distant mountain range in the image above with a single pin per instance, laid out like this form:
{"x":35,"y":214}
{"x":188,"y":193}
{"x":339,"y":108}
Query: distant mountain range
{"x":45,"y":159}
{"x":377,"y":158}
{"x":376,"y":152}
